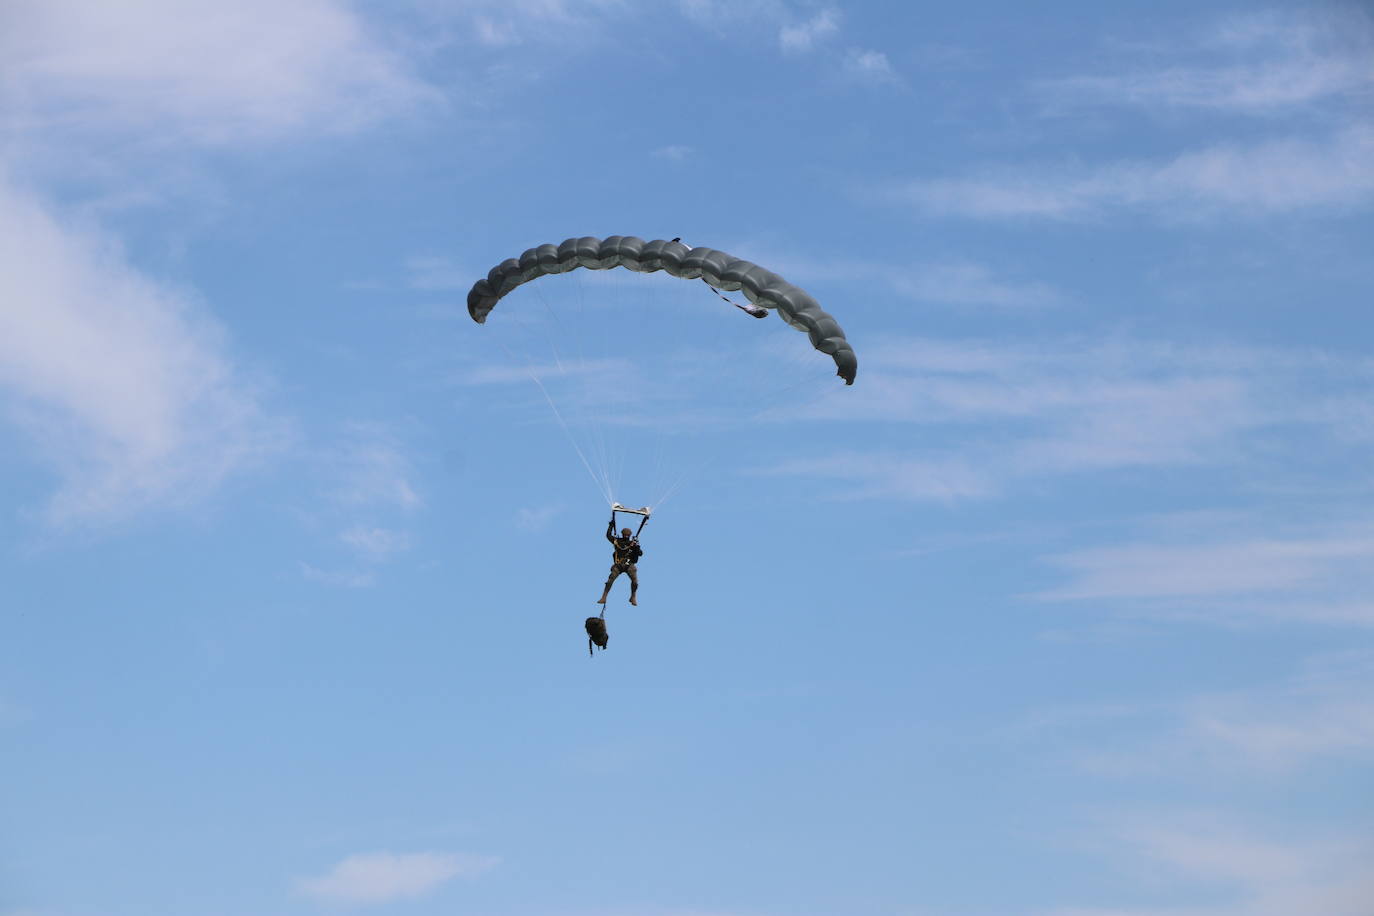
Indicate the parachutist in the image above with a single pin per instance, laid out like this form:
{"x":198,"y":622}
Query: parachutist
{"x":626,"y":553}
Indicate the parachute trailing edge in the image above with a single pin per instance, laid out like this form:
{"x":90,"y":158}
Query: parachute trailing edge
{"x":722,"y":271}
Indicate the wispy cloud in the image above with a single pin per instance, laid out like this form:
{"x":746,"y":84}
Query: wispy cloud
{"x":1325,"y":713}
{"x":955,"y":280}
{"x":125,"y":387}
{"x":1249,"y":874}
{"x":800,"y":30}
{"x":1322,"y":716}
{"x":869,"y":66}
{"x":894,"y":477}
{"x":1247,"y":565}
{"x":375,"y":543}
{"x":1056,"y":408}
{"x":384,"y":877}
{"x":1257,"y":63}
{"x":522,"y":373}
{"x":800,"y":37}
{"x":1308,"y":73}
{"x":505,"y":23}
{"x":962,"y":282}
{"x":373,"y":471}
{"x":1268,"y":177}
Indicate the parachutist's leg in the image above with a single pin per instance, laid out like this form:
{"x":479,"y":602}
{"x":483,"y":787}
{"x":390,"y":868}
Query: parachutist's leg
{"x":634,"y":584}
{"x":615,"y":571}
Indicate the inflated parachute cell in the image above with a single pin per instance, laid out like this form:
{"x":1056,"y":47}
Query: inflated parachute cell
{"x":721,"y":270}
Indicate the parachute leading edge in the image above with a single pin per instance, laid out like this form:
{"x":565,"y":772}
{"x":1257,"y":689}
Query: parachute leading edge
{"x":717,"y":268}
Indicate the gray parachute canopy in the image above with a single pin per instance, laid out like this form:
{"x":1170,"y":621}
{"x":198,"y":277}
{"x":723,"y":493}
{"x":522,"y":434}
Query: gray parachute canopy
{"x":721,"y":270}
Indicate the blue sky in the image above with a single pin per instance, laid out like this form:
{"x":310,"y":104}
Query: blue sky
{"x":1063,"y":609}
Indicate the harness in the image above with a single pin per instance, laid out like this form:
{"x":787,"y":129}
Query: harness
{"x":625,"y":549}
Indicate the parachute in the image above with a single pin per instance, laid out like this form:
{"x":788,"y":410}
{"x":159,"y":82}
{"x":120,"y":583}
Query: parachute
{"x":720,"y":270}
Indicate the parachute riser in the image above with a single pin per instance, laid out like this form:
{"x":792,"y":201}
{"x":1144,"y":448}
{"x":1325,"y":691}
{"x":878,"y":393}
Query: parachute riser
{"x":644,"y":511}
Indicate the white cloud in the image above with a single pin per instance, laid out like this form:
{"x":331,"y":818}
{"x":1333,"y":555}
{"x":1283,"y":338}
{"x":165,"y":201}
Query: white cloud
{"x":373,"y":471}
{"x":495,"y":34}
{"x":524,"y":373}
{"x":1322,"y":717}
{"x":384,"y":877}
{"x":1327,"y":713}
{"x":376,"y":543}
{"x":717,"y":13}
{"x":1275,"y":176}
{"x":125,"y":387}
{"x":1257,"y":63}
{"x":201,"y":71}
{"x":894,"y":477}
{"x":1251,"y":564}
{"x":797,"y":33}
{"x":800,"y":37}
{"x":1247,"y":874}
{"x":869,"y":66}
{"x":960,"y":282}
{"x":988,"y":415}
{"x":939,"y":281}
{"x":503,"y":24}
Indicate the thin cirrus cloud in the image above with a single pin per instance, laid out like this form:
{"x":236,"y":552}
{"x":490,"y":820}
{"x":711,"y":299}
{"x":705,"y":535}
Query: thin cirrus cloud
{"x":1255,"y":64}
{"x":967,"y":283}
{"x":385,"y":877}
{"x":955,"y":281}
{"x":803,"y":36}
{"x":506,"y":23}
{"x":797,"y":33}
{"x":1323,"y":715}
{"x":1237,"y":567}
{"x":869,"y":66}
{"x":1278,"y":176}
{"x":375,"y":543}
{"x":373,"y":471}
{"x":1029,"y":411}
{"x":1294,"y":71}
{"x":1250,"y":873}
